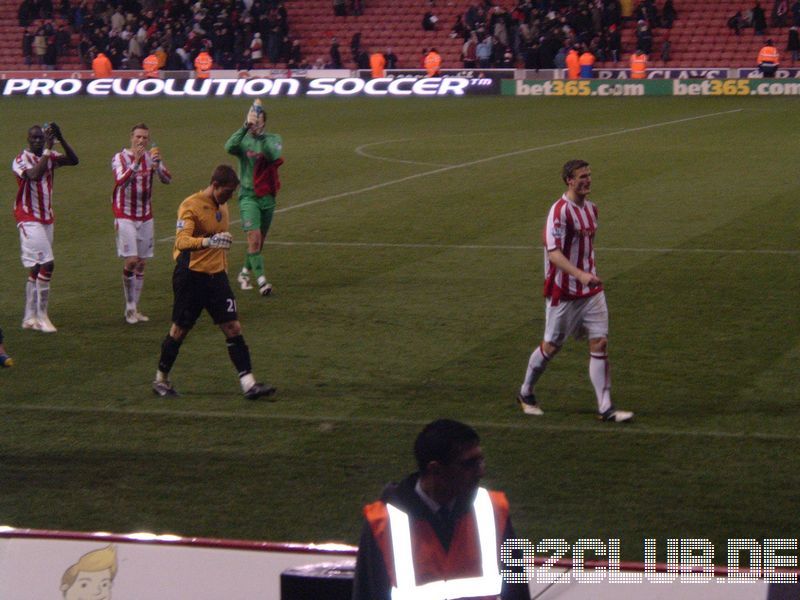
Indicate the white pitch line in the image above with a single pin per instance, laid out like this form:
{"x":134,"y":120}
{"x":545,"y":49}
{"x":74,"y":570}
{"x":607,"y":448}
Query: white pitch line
{"x":360,"y":151}
{"x":528,"y":247}
{"x":479,"y":161}
{"x":524,"y":424}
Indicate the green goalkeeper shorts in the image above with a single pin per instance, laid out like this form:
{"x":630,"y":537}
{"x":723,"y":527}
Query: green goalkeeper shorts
{"x":256,"y":212}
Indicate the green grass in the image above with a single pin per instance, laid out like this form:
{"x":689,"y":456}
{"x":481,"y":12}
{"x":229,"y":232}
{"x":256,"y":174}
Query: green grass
{"x":420,"y":299}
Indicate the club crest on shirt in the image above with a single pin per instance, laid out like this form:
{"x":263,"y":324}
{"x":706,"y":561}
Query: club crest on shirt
{"x":179,"y":224}
{"x":219,"y":216}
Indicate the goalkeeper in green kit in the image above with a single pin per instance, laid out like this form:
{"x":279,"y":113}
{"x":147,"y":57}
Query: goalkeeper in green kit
{"x":259,"y":156}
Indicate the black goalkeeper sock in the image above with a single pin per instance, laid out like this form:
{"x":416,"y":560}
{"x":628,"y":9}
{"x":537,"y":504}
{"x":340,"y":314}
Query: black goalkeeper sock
{"x":169,"y":352}
{"x":240,"y":354}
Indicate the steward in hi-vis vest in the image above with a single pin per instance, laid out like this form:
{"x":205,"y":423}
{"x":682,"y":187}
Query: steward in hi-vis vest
{"x":437,"y":535}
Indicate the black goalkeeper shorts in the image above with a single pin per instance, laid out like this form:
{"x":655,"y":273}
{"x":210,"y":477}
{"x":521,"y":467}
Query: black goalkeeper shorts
{"x":195,"y":291}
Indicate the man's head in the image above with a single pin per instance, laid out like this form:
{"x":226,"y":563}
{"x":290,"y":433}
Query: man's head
{"x":224,"y":182}
{"x":449,"y":458}
{"x":36,"y":140}
{"x":140,"y":136}
{"x":91,"y":577}
{"x":577,"y":174}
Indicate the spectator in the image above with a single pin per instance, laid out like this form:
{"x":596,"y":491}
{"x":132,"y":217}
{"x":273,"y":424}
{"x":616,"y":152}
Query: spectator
{"x":245,"y":61}
{"x":355,"y":46}
{"x":614,"y":43}
{"x":666,"y":51}
{"x":295,"y":55}
{"x":796,"y":13}
{"x":391,"y":59}
{"x":27,"y":46}
{"x":27,"y":13}
{"x":430,"y":21}
{"x":50,"y":52}
{"x":780,"y":10}
{"x":793,"y":45}
{"x":39,"y":46}
{"x":759,"y":20}
{"x":484,"y":52}
{"x":644,"y":38}
{"x":735,"y":22}
{"x":469,"y":51}
{"x":339,"y":8}
{"x":255,"y":47}
{"x":336,"y":56}
{"x":668,"y":14}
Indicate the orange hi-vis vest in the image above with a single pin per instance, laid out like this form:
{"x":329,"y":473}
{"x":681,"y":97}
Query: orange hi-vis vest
{"x":377,"y":62}
{"x":432,"y":63}
{"x":150,"y":66}
{"x":202,"y":65}
{"x":638,"y":66}
{"x":101,"y":66}
{"x":418,"y":566}
{"x":573,"y":65}
{"x":768,"y":54}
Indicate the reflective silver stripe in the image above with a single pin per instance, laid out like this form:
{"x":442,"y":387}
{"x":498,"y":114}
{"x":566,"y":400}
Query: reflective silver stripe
{"x":488,"y":584}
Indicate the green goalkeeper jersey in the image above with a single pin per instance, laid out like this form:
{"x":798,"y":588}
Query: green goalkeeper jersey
{"x":249,"y":148}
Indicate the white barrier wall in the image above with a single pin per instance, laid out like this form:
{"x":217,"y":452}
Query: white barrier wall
{"x":151,"y":567}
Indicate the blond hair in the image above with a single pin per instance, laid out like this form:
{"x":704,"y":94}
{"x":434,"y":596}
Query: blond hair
{"x":91,"y":562}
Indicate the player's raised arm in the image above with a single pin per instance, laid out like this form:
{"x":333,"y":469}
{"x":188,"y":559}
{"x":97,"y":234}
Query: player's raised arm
{"x":70,"y":159}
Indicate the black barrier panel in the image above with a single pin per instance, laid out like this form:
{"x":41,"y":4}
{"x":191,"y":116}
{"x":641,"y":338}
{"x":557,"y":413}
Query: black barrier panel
{"x":328,"y":581}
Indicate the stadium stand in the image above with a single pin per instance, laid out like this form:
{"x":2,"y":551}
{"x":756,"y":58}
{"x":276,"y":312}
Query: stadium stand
{"x":699,"y":37}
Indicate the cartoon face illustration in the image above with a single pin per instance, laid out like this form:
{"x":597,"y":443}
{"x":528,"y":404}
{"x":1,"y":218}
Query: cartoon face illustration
{"x":91,"y":577}
{"x":90,"y":585}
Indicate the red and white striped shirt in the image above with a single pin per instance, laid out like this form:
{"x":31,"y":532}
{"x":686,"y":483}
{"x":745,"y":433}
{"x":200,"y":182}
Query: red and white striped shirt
{"x":133,"y":187}
{"x":34,"y":196}
{"x":570,"y":228}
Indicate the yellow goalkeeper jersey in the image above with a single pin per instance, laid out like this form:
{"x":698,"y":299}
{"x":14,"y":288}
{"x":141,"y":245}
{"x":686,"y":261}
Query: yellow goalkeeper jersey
{"x":199,"y":216}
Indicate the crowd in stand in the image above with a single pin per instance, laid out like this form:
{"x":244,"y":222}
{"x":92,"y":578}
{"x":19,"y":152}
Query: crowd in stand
{"x":236,"y":33}
{"x":540,"y":33}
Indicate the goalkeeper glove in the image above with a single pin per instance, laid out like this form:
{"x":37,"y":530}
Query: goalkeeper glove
{"x":218,"y":240}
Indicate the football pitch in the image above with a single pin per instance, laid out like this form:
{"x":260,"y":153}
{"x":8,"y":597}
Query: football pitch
{"x":406,"y":260}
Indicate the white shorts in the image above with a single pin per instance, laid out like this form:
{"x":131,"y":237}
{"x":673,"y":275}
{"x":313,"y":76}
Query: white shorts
{"x":35,"y":242}
{"x":582,"y":318}
{"x":134,"y":238}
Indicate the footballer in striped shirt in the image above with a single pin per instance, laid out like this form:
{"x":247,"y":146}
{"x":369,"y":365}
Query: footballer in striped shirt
{"x":575,"y":300}
{"x":34,"y":169}
{"x":134,"y":169}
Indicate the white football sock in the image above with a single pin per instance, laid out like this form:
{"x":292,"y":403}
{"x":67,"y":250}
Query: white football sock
{"x":128,"y":284}
{"x":138,"y":283}
{"x":600,"y":374}
{"x":31,"y":300}
{"x":43,"y":293}
{"x":247,"y":381}
{"x":536,"y":366}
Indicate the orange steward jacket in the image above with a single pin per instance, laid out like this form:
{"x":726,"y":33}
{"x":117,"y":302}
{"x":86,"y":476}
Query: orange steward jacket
{"x":638,"y":66}
{"x":768,"y":54}
{"x":440,"y":551}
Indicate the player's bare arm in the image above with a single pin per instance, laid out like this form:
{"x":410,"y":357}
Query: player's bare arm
{"x":69,"y":158}
{"x":562,"y":262}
